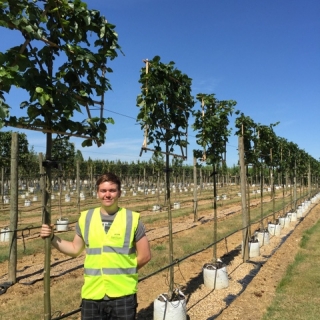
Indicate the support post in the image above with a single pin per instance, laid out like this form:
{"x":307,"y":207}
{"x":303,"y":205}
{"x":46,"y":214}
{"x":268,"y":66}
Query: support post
{"x":245,"y":222}
{"x":12,"y":267}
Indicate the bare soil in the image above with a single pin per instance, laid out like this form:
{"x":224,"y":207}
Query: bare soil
{"x":251,"y":284}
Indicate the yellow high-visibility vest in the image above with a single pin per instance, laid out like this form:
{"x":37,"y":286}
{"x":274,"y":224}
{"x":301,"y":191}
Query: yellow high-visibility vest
{"x":110,"y":266}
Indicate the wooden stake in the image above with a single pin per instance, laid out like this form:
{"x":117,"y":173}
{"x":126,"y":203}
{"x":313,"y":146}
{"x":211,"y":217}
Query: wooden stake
{"x":12,"y":266}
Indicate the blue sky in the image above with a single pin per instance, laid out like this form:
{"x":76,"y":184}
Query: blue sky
{"x":264,"y":54}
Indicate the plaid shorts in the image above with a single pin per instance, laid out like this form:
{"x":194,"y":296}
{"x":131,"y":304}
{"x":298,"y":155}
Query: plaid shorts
{"x":123,"y":308}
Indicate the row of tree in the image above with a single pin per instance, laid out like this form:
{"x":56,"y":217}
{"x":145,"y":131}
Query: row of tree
{"x":61,"y":63}
{"x":279,"y":154}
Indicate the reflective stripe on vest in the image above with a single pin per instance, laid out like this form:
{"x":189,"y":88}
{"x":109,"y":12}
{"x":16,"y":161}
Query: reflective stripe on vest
{"x":106,"y":271}
{"x":86,"y":227}
{"x":93,"y":251}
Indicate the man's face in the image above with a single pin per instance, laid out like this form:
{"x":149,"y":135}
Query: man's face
{"x":108,"y":193}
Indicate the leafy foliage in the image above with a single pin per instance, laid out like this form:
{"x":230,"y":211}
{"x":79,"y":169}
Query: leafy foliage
{"x":246,"y":128}
{"x":165,"y":104}
{"x":259,"y":140}
{"x":265,"y":142}
{"x":5,"y":149}
{"x":212,"y":122}
{"x":63,"y":152}
{"x":177,"y":166}
{"x":263,"y":145}
{"x":157,"y":161}
{"x":56,"y":65}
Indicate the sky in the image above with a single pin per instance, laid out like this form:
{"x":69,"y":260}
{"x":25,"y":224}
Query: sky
{"x":264,"y":54}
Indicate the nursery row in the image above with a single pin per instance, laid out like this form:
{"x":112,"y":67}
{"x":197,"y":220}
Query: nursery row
{"x":204,"y":237}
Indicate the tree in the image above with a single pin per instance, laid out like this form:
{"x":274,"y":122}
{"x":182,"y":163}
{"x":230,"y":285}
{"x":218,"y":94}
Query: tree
{"x":265,"y":142}
{"x":177,"y":168}
{"x":30,"y":167}
{"x":63,"y":153}
{"x":246,"y":127}
{"x":62,"y":76}
{"x":246,"y":132}
{"x":5,"y":149}
{"x":211,"y":123}
{"x":165,"y":105}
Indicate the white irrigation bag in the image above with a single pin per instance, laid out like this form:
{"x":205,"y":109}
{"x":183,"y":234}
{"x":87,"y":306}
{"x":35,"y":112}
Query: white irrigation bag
{"x":215,"y":276}
{"x":170,"y":310}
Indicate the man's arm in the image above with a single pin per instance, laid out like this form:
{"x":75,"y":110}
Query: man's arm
{"x":143,"y":251}
{"x":71,"y":248}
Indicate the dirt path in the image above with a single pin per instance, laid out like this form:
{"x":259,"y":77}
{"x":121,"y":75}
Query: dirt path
{"x":254,"y":300}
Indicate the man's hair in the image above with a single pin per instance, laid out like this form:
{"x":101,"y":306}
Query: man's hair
{"x":110,"y":177}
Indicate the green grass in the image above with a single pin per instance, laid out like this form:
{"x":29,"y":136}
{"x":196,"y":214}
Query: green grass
{"x":32,"y":246}
{"x":298,"y":293}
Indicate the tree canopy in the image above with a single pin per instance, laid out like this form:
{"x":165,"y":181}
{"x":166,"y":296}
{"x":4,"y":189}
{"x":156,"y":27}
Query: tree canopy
{"x":61,"y":62}
{"x":165,"y":104}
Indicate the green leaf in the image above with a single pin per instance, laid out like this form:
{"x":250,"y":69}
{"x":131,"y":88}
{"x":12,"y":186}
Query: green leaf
{"x":42,"y":100}
{"x":87,"y":20}
{"x":29,"y":29}
{"x":102,"y":31}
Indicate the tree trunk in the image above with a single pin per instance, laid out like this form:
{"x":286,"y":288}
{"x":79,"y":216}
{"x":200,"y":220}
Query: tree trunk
{"x":2,"y":185}
{"x":78,"y":186}
{"x":245,"y":222}
{"x":215,"y":216}
{"x":12,"y":267}
{"x":195,"y":200}
{"x":171,"y":271}
{"x":46,"y":204}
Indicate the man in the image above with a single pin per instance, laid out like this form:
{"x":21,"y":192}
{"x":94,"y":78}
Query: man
{"x":116,"y":247}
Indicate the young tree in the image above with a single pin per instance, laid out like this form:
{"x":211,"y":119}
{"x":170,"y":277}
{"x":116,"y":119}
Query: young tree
{"x":5,"y":149}
{"x":55,"y":65}
{"x":246,"y":135}
{"x":265,"y":142}
{"x":165,"y":105}
{"x":211,"y":122}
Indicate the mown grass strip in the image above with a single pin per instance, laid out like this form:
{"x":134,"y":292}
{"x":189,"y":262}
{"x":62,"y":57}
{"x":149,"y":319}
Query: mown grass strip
{"x":298,"y":293}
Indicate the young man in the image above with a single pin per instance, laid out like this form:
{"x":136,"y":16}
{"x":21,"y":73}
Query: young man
{"x":116,"y":247}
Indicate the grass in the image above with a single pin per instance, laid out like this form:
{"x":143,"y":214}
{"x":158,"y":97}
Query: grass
{"x":31,"y":247}
{"x":298,"y":293}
